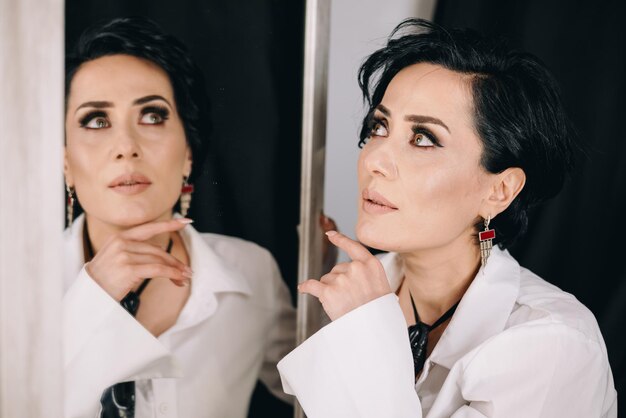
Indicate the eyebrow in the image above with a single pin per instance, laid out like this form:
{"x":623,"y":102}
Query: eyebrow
{"x":105,"y":104}
{"x":150,"y":98}
{"x":96,"y":104}
{"x":415,"y":118}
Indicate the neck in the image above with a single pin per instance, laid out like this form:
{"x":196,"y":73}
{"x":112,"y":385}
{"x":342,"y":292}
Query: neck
{"x":437,"y":278}
{"x":101,"y":231}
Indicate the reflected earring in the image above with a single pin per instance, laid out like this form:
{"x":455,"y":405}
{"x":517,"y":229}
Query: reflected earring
{"x":70,"y":205}
{"x":486,"y":241}
{"x":185,"y":196}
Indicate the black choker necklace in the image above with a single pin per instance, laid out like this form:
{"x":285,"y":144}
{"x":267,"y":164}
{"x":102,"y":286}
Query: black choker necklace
{"x":130,"y":302}
{"x":418,"y":335}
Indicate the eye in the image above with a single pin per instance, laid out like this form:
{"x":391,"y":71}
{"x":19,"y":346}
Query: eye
{"x":153,"y":116}
{"x":151,"y":119}
{"x":379,"y":129}
{"x":422,"y":140}
{"x":95,"y":120}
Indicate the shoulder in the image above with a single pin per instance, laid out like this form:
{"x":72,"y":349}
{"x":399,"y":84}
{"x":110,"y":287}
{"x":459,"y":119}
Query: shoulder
{"x":542,"y":303}
{"x":233,"y":250}
{"x":248,"y":262}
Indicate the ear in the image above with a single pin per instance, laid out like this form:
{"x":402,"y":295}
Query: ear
{"x":67,"y":171}
{"x":188,"y":163}
{"x":504,"y":189}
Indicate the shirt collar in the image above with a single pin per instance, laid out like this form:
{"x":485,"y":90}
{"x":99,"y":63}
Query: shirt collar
{"x":211,"y":276}
{"x":483,"y":311}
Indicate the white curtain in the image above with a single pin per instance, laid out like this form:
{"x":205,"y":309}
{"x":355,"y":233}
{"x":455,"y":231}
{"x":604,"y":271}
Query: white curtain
{"x":31,"y":207}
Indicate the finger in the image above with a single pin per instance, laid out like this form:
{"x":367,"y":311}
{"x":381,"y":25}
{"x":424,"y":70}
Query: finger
{"x":355,"y":250}
{"x":312,"y":287}
{"x":330,"y":225}
{"x":327,"y":224}
{"x":340,"y":268}
{"x":157,"y":270}
{"x":136,"y":247}
{"x":136,"y":259}
{"x":328,"y":278}
{"x":146,"y":231}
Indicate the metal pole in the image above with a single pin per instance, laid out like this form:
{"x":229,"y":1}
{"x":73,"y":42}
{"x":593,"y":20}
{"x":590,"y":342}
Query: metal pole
{"x":316,"y":43}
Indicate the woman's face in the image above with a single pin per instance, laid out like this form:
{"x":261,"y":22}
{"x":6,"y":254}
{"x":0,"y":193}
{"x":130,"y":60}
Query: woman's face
{"x":126,"y":152}
{"x":422,"y":162}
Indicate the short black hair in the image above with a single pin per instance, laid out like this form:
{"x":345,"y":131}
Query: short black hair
{"x":518,"y":113}
{"x":142,"y":38}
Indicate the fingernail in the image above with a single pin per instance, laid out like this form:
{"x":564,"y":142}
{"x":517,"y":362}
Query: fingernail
{"x":188,"y":270}
{"x":185,"y":220}
{"x":186,"y":283}
{"x":331,"y":233}
{"x":187,"y":274}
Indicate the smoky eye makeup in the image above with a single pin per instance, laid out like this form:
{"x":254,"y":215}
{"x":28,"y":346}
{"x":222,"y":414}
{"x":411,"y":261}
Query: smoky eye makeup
{"x":421,"y":132}
{"x":374,"y":121}
{"x":90,"y":116}
{"x":160,"y":114}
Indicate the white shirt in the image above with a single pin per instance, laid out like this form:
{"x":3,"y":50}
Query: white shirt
{"x":517,"y":346}
{"x":237,"y":323}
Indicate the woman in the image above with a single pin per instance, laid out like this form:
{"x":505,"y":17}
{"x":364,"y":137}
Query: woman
{"x":463,"y":136}
{"x":216,"y":315}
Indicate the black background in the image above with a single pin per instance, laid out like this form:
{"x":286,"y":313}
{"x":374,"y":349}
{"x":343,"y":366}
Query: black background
{"x":251,"y":53}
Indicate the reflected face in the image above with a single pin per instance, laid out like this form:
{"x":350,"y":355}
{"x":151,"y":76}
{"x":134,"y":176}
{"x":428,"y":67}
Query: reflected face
{"x":420,"y":176}
{"x":126,"y":152}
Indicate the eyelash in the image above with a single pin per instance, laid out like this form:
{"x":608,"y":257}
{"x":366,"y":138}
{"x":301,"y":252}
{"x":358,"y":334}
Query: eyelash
{"x":162,"y":112}
{"x":84,"y":121}
{"x":421,"y":130}
{"x":374,"y":121}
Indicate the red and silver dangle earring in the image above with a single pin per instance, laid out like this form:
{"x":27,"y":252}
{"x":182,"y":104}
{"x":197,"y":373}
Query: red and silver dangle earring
{"x":185,"y":196}
{"x":70,"y":205}
{"x":486,"y":241}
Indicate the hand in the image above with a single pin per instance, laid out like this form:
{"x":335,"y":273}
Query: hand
{"x":348,"y":285}
{"x":126,"y":260}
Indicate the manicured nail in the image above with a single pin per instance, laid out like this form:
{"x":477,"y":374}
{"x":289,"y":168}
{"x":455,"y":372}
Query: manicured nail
{"x":331,"y":233}
{"x":185,"y":220}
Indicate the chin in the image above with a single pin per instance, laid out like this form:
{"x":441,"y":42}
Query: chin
{"x":373,"y":237}
{"x":127,"y":216}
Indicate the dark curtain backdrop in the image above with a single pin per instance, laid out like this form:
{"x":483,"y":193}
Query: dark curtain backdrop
{"x":251,"y":53}
{"x":576,"y":241}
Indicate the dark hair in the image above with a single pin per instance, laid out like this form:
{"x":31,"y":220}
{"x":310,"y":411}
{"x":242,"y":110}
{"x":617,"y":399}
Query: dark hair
{"x":142,"y":38}
{"x":518,"y":113}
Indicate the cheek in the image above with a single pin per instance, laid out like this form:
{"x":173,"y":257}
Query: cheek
{"x":444,"y":196}
{"x":435,"y":209}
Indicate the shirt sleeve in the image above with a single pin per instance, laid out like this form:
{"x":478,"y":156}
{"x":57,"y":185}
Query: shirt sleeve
{"x":360,"y":365}
{"x":282,"y":336}
{"x":104,"y":345}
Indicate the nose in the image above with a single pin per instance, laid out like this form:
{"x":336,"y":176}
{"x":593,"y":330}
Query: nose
{"x":126,"y":146}
{"x":379,"y":160}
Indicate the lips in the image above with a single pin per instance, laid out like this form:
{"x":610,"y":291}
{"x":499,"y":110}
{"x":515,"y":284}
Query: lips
{"x":130,"y":184}
{"x":376,"y":198}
